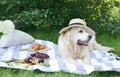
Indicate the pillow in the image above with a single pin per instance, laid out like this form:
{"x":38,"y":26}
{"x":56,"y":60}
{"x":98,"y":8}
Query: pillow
{"x":17,"y":38}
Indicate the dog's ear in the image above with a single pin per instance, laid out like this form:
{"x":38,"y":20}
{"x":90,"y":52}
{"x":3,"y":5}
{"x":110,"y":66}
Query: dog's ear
{"x":68,"y":37}
{"x":64,"y":30}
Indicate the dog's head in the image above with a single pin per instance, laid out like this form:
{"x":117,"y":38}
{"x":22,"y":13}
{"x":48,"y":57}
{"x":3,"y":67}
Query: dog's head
{"x":79,"y":36}
{"x":78,"y":32}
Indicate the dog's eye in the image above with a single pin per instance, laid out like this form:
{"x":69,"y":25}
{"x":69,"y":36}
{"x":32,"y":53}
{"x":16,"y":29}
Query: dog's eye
{"x":80,"y":31}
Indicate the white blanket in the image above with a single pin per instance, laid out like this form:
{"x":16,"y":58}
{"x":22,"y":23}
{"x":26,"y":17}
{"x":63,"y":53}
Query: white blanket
{"x":100,"y":60}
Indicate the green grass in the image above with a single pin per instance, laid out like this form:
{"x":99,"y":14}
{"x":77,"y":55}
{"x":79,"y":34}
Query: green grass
{"x":53,"y":36}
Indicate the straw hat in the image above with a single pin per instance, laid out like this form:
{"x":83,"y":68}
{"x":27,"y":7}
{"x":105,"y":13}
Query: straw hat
{"x":77,"y":22}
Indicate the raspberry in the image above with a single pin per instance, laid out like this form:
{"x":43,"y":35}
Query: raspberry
{"x":40,"y":57}
{"x":36,"y":55}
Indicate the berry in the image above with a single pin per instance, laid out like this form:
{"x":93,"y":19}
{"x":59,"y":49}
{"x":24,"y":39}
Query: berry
{"x":40,"y":57}
{"x":40,"y":60}
{"x":36,"y":55}
{"x":27,"y":60}
{"x":32,"y":55}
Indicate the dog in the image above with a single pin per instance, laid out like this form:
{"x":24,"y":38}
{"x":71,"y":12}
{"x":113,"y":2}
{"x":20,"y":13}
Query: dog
{"x":77,"y":40}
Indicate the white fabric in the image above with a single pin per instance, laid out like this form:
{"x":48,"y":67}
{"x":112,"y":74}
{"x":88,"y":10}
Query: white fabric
{"x":17,"y":38}
{"x":100,"y":60}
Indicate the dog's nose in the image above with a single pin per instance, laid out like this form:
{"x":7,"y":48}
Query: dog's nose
{"x":89,"y":37}
{"x":79,"y":42}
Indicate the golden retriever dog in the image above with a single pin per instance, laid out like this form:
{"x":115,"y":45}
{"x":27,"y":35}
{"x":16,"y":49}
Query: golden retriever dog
{"x":77,"y":40}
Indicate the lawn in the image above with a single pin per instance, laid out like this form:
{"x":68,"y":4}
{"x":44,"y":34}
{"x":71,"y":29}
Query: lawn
{"x":104,"y":39}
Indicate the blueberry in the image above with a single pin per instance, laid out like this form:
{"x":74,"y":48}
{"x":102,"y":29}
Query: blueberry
{"x":32,"y":55}
{"x":40,"y":60}
{"x":27,"y":60}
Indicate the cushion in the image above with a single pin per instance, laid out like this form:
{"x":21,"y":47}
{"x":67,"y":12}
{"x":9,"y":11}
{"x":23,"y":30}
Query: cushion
{"x":17,"y":38}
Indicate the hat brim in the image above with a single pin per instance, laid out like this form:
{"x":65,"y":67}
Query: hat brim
{"x":87,"y":29}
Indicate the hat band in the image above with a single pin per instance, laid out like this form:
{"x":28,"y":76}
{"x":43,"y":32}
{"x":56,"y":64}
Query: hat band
{"x":76,"y":24}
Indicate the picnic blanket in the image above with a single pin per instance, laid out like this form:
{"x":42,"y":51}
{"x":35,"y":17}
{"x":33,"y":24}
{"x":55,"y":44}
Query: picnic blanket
{"x":100,"y":60}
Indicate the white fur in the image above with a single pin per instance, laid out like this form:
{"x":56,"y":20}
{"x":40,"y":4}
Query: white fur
{"x":70,"y":51}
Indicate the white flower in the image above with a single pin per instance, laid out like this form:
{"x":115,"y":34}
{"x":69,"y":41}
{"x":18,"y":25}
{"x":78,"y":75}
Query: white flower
{"x":1,"y":26}
{"x":7,"y":27}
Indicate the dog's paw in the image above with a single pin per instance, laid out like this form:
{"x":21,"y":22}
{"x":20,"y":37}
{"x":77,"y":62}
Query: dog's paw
{"x":71,"y":61}
{"x":109,"y":49}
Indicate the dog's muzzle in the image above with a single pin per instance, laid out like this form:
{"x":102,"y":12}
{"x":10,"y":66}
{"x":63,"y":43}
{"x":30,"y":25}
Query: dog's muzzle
{"x":84,"y":43}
